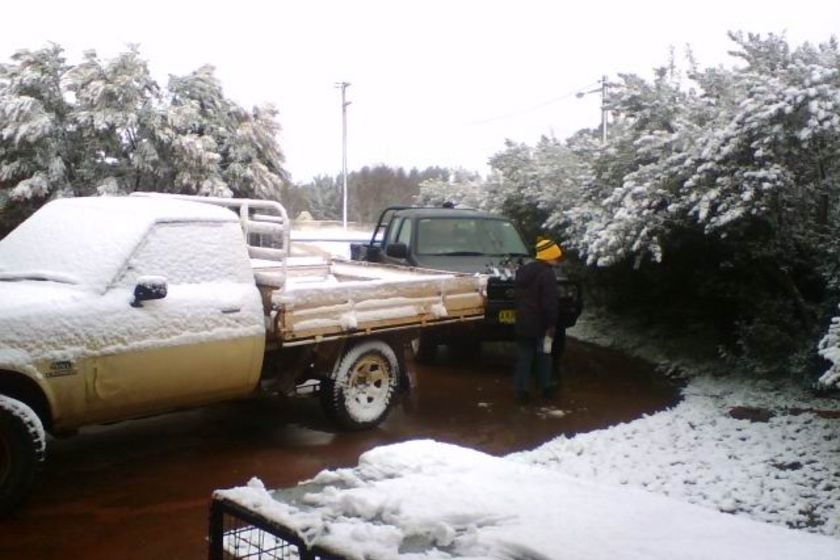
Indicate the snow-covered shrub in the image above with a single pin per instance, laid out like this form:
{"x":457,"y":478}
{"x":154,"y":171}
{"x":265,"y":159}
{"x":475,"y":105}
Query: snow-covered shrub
{"x":829,"y":348}
{"x":715,"y":198}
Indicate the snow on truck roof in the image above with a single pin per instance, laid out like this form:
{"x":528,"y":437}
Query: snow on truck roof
{"x":145,"y":209}
{"x":86,"y":240}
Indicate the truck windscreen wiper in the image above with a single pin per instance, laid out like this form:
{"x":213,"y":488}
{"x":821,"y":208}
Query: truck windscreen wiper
{"x":38,"y":276}
{"x":460,"y":254}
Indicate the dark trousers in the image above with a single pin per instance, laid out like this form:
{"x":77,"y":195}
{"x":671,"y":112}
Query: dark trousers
{"x":530,"y":358}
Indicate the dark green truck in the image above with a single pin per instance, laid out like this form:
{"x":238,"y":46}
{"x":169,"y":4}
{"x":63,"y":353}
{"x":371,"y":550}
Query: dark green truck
{"x":464,"y":240}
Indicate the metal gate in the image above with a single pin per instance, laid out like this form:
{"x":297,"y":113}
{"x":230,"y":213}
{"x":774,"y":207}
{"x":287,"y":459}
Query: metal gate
{"x":237,"y":533}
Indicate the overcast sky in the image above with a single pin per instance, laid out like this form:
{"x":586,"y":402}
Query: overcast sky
{"x":433,"y":82}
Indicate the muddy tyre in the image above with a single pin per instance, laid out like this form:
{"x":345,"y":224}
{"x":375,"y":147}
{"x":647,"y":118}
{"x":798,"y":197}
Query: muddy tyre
{"x":22,"y":446}
{"x":363,"y":386}
{"x":423,"y":348}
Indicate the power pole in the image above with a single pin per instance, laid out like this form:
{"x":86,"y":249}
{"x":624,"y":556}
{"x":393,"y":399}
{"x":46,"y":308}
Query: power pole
{"x":603,"y":91}
{"x":344,"y":104}
{"x":603,"y":109}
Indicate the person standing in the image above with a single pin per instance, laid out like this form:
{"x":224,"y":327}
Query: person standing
{"x":536,"y":319}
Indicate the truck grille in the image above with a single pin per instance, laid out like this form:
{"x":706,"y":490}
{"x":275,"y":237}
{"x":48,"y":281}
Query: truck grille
{"x":499,"y":290}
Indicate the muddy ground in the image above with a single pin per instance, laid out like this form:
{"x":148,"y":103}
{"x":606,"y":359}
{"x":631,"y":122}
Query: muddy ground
{"x":141,"y":489}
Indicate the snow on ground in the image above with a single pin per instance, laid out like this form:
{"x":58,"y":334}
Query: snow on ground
{"x":429,"y":500}
{"x":783,"y":470}
{"x":688,"y":482}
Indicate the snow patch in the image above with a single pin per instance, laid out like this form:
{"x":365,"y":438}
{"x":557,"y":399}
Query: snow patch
{"x":424,"y":499}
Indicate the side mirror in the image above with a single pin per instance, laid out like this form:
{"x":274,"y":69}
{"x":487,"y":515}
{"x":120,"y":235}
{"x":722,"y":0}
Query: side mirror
{"x":148,"y":288}
{"x":373,"y":253}
{"x":397,"y":250}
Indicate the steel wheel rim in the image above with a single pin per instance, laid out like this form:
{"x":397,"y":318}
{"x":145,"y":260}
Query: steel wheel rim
{"x":367,"y":387}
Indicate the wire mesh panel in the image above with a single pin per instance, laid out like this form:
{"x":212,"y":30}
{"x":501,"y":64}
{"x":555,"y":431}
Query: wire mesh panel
{"x":247,"y":542}
{"x":237,"y":533}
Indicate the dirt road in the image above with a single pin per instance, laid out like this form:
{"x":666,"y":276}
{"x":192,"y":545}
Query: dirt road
{"x":141,"y":489}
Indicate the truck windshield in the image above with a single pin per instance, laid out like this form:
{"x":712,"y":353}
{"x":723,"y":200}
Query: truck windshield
{"x":63,"y":243}
{"x":459,"y":236}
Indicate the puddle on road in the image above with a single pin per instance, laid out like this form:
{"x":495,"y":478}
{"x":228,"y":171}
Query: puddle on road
{"x":472,"y":403}
{"x":141,"y":489}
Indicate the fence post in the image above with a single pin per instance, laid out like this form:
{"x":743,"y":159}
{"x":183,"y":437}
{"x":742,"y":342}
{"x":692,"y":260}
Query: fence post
{"x":216,"y":533}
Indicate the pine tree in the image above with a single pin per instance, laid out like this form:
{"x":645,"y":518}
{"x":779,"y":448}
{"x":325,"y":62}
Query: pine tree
{"x":36,"y":142}
{"x":106,"y":127}
{"x":115,"y":107}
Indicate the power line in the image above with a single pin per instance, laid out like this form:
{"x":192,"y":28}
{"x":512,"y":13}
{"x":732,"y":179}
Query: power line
{"x":537,"y":107}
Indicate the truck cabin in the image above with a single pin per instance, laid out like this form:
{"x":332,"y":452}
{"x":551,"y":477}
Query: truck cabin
{"x":458,"y":239}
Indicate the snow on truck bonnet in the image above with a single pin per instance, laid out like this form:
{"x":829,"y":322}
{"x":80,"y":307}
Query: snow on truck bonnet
{"x":86,"y":240}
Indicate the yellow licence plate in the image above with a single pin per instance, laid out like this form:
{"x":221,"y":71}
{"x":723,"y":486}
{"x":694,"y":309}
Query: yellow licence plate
{"x":507,"y":316}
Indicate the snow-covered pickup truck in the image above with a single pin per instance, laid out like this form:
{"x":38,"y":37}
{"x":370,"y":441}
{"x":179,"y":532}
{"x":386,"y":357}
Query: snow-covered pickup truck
{"x":120,"y":307}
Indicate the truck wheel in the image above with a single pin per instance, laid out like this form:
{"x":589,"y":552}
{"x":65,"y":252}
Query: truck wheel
{"x":423,"y":348}
{"x":360,"y":392}
{"x":22,"y":445}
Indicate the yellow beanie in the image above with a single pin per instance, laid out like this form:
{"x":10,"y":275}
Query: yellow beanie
{"x":548,"y":250}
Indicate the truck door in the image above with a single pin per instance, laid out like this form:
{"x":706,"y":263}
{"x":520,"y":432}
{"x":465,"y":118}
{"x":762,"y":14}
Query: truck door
{"x":202,"y":342}
{"x":399,"y":233}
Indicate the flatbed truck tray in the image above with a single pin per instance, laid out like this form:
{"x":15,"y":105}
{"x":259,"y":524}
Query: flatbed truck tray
{"x":338,"y":298}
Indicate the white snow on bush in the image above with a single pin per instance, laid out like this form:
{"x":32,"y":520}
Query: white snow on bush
{"x":829,"y":348}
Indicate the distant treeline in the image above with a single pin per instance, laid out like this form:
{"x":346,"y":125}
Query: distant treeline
{"x":369,"y":190}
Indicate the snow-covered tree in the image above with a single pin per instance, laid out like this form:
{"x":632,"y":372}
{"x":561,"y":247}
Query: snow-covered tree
{"x":106,"y":127}
{"x":774,"y":155}
{"x":460,"y":188}
{"x":254,"y":162}
{"x":829,"y":349}
{"x":35,"y":135}
{"x":325,"y":198}
{"x":221,"y":149}
{"x":721,"y":181}
{"x":115,"y":109}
